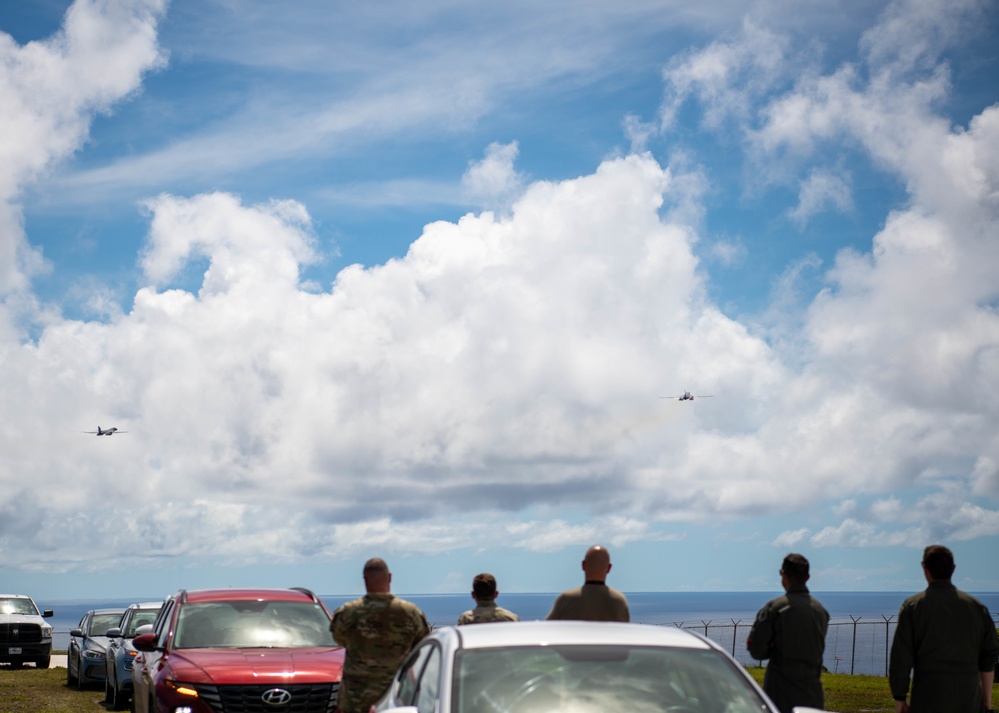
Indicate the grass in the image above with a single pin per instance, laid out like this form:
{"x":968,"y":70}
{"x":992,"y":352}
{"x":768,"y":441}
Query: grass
{"x":30,"y":690}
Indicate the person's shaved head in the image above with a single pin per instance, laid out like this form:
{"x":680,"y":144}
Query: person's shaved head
{"x":596,"y":564}
{"x":377,"y":578}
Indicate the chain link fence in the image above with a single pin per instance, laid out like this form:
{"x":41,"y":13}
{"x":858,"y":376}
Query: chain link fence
{"x":858,"y":645}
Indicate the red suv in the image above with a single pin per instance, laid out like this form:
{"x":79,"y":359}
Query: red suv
{"x":246,"y":650}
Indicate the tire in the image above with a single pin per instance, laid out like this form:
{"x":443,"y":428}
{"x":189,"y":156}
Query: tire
{"x":43,"y":663}
{"x":79,"y":673}
{"x":108,"y":689}
{"x":70,"y":680}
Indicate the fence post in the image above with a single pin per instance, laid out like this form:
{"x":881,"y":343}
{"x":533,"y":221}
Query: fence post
{"x":887,"y":622}
{"x":853,"y":650}
{"x":735,"y":632}
{"x":705,"y":626}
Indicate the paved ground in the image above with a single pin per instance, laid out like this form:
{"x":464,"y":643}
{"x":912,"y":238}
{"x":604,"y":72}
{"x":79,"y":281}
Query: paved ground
{"x":58,"y":661}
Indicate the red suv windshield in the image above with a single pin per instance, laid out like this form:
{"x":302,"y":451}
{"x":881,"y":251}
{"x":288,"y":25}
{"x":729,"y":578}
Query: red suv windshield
{"x":252,"y":623}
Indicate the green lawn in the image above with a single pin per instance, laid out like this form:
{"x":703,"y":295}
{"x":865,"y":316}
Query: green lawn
{"x":29,"y":690}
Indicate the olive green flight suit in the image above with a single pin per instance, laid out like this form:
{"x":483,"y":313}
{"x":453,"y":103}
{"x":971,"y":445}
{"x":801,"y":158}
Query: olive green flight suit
{"x":791,"y":632}
{"x":945,"y":638}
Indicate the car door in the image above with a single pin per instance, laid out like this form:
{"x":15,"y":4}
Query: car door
{"x":146,"y":661}
{"x":417,"y":683}
{"x":74,"y":652}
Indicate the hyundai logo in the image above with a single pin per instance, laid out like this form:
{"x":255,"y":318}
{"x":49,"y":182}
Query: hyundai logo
{"x":276,"y":697}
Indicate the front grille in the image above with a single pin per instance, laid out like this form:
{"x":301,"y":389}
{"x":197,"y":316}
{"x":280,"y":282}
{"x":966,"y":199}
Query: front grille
{"x":305,"y":698}
{"x":20,"y":633}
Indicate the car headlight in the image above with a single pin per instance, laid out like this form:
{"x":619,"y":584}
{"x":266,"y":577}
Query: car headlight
{"x":46,"y":631}
{"x":93,"y":655}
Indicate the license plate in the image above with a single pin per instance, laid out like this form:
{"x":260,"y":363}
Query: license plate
{"x":14,"y":650}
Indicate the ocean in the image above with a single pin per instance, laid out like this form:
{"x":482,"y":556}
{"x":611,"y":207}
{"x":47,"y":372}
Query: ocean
{"x":860,"y":631}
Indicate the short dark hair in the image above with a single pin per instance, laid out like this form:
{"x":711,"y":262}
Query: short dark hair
{"x":795,"y":567}
{"x":484,"y":586}
{"x":939,"y":562}
{"x":375,"y":565}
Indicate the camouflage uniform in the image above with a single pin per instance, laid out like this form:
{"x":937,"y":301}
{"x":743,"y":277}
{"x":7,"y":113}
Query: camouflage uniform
{"x":486,"y":611}
{"x":378,"y":631}
{"x":791,"y":632}
{"x":594,"y":601}
{"x":947,"y":637}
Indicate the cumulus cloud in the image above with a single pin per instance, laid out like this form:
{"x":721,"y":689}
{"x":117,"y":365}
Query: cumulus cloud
{"x":51,"y":90}
{"x":511,"y":360}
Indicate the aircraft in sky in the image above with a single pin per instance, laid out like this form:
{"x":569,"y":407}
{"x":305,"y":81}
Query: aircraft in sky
{"x":106,"y":431}
{"x":687,"y":396}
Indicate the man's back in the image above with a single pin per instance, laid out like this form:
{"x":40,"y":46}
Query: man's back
{"x":591,"y":602}
{"x":948,"y":638}
{"x":486,"y":612}
{"x":378,"y":631}
{"x":791,"y":631}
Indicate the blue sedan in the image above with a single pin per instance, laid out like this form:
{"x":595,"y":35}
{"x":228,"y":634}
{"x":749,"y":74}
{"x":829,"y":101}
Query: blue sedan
{"x":88,"y":643}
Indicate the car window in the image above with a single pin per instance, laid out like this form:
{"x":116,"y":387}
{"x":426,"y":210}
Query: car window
{"x":569,"y":678}
{"x":17,"y":605}
{"x":100,"y":624}
{"x":140,"y":617}
{"x":409,"y":675}
{"x":429,"y":686}
{"x":162,"y":626}
{"x":252,"y":624}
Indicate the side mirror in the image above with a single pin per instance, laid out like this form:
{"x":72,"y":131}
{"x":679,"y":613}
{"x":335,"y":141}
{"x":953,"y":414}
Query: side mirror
{"x":76,"y":632}
{"x":145,"y":642}
{"x":47,"y":613}
{"x":144,"y":629}
{"x":114,"y":633}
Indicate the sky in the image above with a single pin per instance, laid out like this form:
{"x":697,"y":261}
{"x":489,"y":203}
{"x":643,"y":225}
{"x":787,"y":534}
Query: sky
{"x":410,"y":280}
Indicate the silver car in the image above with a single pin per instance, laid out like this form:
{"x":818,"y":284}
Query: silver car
{"x":571,"y":666}
{"x":121,"y":653}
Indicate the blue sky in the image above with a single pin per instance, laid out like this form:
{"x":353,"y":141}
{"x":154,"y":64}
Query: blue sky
{"x":408,"y":280}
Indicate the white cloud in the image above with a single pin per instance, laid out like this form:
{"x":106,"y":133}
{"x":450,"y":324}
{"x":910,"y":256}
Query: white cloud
{"x":791,"y":538}
{"x":512,"y":361}
{"x":494,"y":181}
{"x":821,"y":191}
{"x":51,"y":90}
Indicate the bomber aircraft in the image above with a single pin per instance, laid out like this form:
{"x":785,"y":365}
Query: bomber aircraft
{"x":687,"y":396}
{"x":106,"y":431}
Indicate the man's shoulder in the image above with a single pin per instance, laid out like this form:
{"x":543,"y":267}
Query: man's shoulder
{"x":348,"y":607}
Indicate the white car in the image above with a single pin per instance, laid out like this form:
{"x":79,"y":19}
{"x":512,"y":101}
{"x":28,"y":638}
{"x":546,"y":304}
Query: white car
{"x":571,"y":666}
{"x":24,"y":633}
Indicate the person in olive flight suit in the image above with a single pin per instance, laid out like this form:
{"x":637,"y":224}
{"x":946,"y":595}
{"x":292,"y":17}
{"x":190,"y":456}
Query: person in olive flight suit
{"x":594,"y":601}
{"x":378,"y":631}
{"x":947,"y":640}
{"x":484,"y":593}
{"x":791,"y":632}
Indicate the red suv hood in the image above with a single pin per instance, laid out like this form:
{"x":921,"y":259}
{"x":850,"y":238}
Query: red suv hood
{"x":256,"y":666}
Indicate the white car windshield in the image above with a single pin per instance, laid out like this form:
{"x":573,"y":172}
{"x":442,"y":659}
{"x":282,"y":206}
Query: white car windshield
{"x":592,"y":679}
{"x":252,"y":624}
{"x":17,"y":605}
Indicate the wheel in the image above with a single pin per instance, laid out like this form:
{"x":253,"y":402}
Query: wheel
{"x":79,"y":673}
{"x":70,"y":680}
{"x":43,"y":663}
{"x":108,"y":688}
{"x":119,"y":701}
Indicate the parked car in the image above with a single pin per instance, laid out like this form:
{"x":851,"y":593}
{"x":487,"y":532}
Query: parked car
{"x":577,"y":666}
{"x":24,"y":633}
{"x":88,"y":644}
{"x":238,"y":649}
{"x":121,"y":653}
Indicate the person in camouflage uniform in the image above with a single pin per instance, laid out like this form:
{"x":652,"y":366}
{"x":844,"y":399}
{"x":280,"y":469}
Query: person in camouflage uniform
{"x":484,"y":593}
{"x":791,"y":632}
{"x":378,"y":631}
{"x":594,"y":601}
{"x":946,"y":640}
